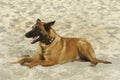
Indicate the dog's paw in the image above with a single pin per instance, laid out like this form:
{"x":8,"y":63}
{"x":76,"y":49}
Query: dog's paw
{"x":25,"y":56}
{"x":29,"y":65}
{"x":13,"y":62}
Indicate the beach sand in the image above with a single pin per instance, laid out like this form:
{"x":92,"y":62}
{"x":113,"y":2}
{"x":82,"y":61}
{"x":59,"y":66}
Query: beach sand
{"x":98,"y":21}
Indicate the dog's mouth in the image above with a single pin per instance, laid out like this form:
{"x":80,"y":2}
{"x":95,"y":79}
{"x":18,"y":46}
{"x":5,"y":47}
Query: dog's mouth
{"x":34,"y":39}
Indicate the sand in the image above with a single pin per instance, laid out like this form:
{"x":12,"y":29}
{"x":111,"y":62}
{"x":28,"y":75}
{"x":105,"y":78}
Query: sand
{"x":98,"y":21}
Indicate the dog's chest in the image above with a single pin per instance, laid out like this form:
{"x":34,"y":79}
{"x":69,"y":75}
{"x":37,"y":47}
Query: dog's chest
{"x":45,"y":50}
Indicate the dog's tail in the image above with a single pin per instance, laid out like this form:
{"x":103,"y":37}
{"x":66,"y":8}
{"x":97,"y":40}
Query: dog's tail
{"x":103,"y":61}
{"x":96,"y":61}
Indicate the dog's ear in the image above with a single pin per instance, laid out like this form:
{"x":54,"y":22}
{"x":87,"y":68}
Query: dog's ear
{"x":38,"y":20}
{"x":48,"y":25}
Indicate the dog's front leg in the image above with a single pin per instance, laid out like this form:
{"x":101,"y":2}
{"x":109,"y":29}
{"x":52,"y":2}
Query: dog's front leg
{"x":40,"y":62}
{"x":23,"y":61}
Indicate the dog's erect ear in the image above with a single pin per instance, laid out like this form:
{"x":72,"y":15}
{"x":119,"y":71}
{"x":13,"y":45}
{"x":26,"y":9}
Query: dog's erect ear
{"x":38,"y":20}
{"x":48,"y":25}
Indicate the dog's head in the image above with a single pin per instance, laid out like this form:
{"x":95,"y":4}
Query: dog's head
{"x":40,"y":32}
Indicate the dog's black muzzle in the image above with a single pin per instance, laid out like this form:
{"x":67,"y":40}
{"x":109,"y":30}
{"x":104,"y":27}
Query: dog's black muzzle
{"x":30,"y":34}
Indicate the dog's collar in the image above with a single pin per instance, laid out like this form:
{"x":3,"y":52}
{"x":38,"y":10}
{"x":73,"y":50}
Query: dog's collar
{"x":50,"y":41}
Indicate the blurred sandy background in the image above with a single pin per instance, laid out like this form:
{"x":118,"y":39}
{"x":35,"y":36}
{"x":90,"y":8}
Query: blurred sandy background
{"x":96,"y":20}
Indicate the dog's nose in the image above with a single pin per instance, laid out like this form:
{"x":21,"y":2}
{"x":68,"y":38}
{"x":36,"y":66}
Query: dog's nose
{"x":27,"y":35}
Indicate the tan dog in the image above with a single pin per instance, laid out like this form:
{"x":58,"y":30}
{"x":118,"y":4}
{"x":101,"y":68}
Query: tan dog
{"x":54,"y":49}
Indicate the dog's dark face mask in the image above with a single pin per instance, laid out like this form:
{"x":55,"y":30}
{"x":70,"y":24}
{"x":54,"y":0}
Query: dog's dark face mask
{"x":40,"y":32}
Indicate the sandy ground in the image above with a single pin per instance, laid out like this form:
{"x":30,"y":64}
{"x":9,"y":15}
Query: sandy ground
{"x":96,"y":20}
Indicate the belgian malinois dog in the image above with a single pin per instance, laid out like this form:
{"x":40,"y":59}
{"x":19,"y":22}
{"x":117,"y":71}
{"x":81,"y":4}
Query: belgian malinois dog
{"x":54,"y":49}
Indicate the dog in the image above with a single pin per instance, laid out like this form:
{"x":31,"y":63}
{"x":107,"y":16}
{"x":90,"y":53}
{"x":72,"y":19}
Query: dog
{"x":53,"y":49}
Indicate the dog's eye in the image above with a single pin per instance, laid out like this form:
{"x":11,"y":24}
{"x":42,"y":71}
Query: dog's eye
{"x":33,"y":27}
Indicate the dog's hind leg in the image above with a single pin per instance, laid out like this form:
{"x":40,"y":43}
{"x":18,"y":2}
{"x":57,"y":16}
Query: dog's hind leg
{"x":91,"y":54}
{"x":81,"y":59}
{"x":86,"y":49}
